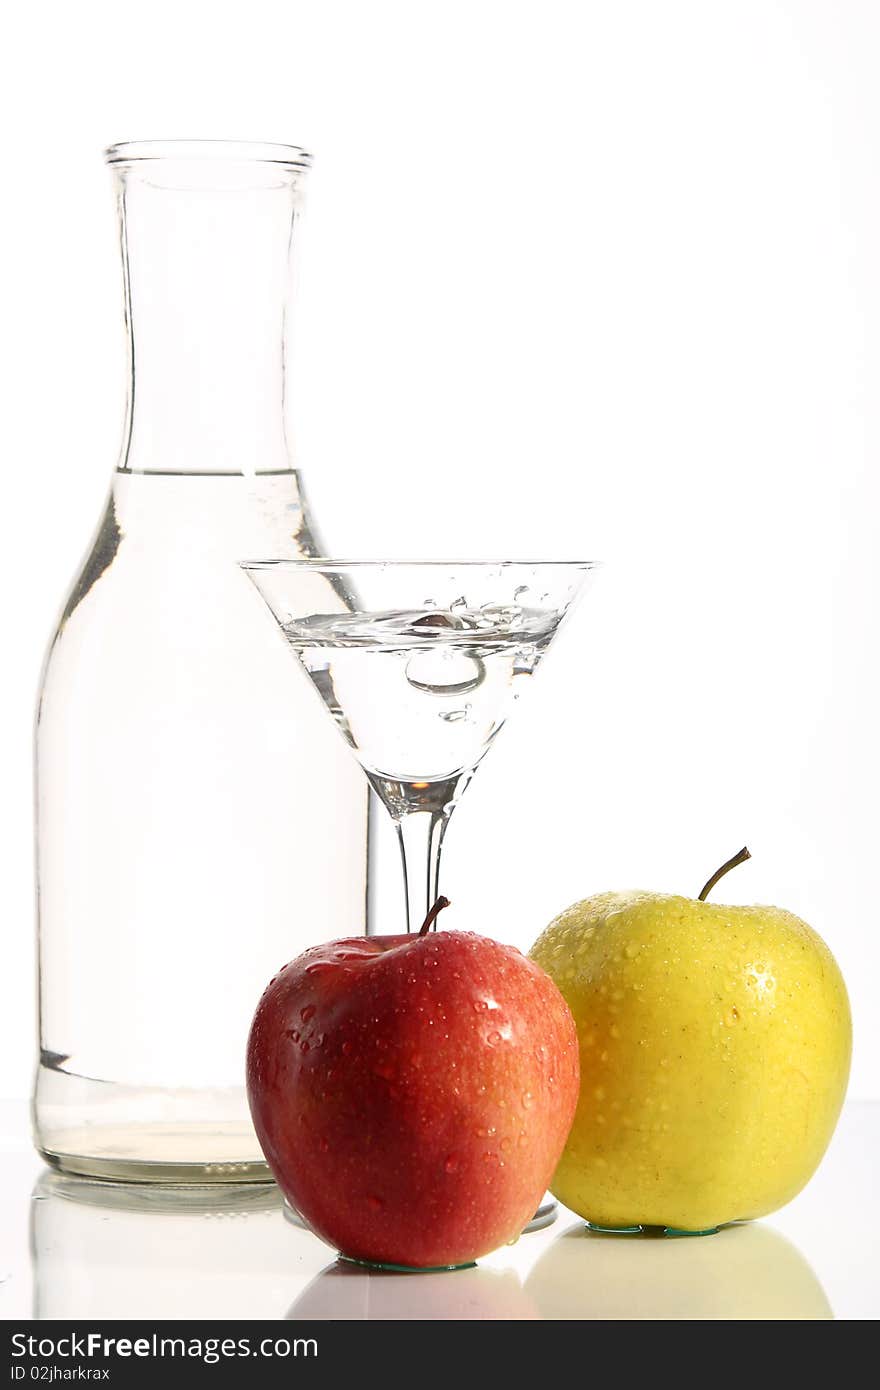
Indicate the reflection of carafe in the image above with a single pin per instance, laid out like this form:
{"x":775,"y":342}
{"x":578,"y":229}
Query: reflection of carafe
{"x":199,"y":822}
{"x":115,"y":1250}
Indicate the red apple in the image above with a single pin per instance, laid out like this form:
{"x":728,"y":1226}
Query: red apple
{"x":413,"y":1094}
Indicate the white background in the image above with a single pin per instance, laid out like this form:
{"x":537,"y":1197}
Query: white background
{"x":589,"y":279}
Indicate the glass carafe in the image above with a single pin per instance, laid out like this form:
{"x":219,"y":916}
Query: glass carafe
{"x":198,"y":821}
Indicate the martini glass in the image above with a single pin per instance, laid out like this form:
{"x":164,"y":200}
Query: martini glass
{"x":419,"y":664}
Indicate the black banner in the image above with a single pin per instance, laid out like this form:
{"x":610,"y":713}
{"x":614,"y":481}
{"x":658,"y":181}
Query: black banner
{"x":267,"y":1353}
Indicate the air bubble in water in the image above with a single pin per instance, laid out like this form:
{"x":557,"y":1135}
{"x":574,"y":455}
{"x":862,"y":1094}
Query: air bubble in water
{"x":445,"y":671}
{"x":455,"y":716}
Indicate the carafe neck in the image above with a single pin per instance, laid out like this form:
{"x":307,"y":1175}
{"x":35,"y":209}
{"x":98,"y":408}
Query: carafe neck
{"x":207,"y":234}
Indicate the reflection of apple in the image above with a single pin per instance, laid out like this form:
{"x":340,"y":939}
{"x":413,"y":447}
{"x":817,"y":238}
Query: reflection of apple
{"x":344,"y":1293}
{"x":412,"y":1094}
{"x":715,"y":1047}
{"x":746,"y":1272}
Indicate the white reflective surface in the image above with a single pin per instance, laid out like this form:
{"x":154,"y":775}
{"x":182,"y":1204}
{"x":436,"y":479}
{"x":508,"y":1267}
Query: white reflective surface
{"x":71,"y":1249}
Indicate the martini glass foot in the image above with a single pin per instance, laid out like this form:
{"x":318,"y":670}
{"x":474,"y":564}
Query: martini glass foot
{"x":544,"y":1216}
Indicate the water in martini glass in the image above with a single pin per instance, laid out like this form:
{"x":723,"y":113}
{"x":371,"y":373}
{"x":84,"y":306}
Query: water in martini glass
{"x":420,"y":694}
{"x":419,"y":665}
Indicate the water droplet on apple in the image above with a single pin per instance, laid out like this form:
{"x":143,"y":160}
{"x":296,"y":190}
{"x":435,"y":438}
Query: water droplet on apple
{"x":307,"y":1013}
{"x":346,"y":1048}
{"x":305,"y":1046}
{"x":451,"y":1164}
{"x":493,"y":1039}
{"x":528,"y":1100}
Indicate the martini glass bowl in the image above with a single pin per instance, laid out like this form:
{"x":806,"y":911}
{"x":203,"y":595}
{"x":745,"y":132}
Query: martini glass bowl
{"x":419,"y":663}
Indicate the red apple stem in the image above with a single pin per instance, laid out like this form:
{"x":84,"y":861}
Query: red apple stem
{"x":435,"y":911}
{"x":739,"y":858}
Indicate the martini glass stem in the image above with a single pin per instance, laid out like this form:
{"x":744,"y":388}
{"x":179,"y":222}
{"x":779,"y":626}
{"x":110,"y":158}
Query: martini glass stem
{"x":421,"y":811}
{"x":420,"y":836}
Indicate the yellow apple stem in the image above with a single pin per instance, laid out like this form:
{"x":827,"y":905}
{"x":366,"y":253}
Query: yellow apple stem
{"x":739,"y":858}
{"x":435,"y":910}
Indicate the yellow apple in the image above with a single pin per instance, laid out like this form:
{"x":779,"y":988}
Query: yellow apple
{"x":715,"y":1048}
